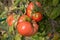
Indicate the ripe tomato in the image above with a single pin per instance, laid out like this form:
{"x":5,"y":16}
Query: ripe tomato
{"x":31,"y":7}
{"x":23,"y":18}
{"x":37,"y":16}
{"x":10,"y":19}
{"x":27,"y":29}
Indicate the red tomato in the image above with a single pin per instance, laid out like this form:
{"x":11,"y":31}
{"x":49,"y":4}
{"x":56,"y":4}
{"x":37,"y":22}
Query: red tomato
{"x":37,"y":16}
{"x":23,"y":18}
{"x":35,"y":27}
{"x":10,"y":19}
{"x":27,"y":29}
{"x":31,"y":7}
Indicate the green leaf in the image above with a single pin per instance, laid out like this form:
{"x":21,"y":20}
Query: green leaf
{"x":55,"y":2}
{"x":4,"y":13}
{"x":48,"y":10}
{"x":55,"y":13}
{"x":11,"y":29}
{"x":35,"y":37}
{"x":3,"y":25}
{"x":5,"y":36}
{"x":1,"y":8}
{"x":41,"y":38}
{"x":17,"y":37}
{"x":16,"y":2}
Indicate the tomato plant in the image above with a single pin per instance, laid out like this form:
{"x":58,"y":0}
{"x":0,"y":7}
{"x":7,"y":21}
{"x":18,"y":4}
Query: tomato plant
{"x":33,"y":19}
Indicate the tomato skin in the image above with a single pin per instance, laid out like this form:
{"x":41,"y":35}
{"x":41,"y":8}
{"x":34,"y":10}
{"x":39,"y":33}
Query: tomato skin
{"x":31,"y":7}
{"x":37,"y":17}
{"x":25,"y":28}
{"x":10,"y":19}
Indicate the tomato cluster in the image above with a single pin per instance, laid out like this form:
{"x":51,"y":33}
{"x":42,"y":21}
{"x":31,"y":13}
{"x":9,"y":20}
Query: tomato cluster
{"x":25,"y":27}
{"x":37,"y":16}
{"x":27,"y":24}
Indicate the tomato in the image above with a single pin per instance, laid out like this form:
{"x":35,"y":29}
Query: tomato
{"x":35,"y":26}
{"x":23,"y":18}
{"x":10,"y":19}
{"x":37,"y":16}
{"x":27,"y":29}
{"x":30,"y":7}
